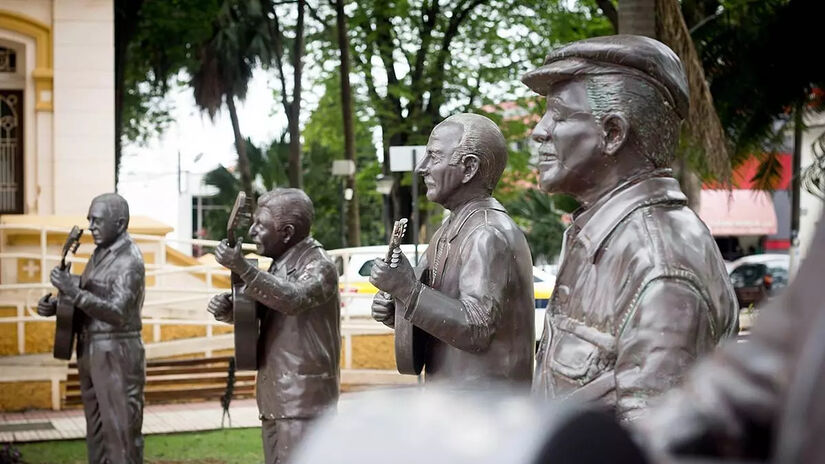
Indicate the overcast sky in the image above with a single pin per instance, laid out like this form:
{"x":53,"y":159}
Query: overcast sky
{"x":148,"y":173}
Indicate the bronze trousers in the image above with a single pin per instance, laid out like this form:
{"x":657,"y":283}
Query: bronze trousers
{"x":112,"y":371}
{"x":281,"y":436}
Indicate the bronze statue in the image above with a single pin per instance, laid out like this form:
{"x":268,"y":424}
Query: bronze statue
{"x":761,"y":399}
{"x":642,"y":290}
{"x":299,"y":308}
{"x":110,"y":357}
{"x":472,"y":295}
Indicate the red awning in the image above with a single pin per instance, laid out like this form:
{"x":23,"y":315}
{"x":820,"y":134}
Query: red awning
{"x":738,"y":212}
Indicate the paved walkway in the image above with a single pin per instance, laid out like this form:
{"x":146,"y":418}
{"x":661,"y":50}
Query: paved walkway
{"x":162,"y":418}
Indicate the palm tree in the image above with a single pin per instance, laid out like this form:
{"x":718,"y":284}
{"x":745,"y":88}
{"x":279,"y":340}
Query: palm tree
{"x":225,"y":66}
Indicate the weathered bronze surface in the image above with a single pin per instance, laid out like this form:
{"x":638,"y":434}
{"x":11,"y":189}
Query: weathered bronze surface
{"x":110,"y":356}
{"x":642,"y":290}
{"x":299,"y":307}
{"x":761,"y":399}
{"x":472,"y":294}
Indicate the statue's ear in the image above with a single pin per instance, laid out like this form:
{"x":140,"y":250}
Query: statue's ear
{"x":121,"y":225}
{"x":470,"y":164}
{"x":289,"y":232}
{"x":616,"y":129}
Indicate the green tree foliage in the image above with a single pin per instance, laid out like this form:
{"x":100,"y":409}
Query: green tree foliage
{"x":325,"y":140}
{"x":750,"y":52}
{"x":164,"y":43}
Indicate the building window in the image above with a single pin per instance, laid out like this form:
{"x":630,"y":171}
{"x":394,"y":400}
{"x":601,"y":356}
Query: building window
{"x":8,"y":60}
{"x":11,"y":152}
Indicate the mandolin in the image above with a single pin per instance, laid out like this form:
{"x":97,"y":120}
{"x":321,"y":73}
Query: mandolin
{"x":66,"y":326}
{"x":244,"y":308}
{"x":409,"y":347}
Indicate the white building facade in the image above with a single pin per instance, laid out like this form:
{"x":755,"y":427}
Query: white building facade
{"x":56,"y":105}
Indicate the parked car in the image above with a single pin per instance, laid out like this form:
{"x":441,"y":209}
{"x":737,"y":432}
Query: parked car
{"x":757,"y":277}
{"x":357,"y":292}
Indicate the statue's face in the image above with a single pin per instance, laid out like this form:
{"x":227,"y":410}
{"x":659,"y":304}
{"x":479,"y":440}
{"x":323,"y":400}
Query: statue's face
{"x":442,"y":178}
{"x":269,"y":233}
{"x":105,"y":228}
{"x":571,"y":141}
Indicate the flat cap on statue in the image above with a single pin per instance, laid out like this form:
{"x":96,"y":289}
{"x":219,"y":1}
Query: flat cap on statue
{"x":639,"y":56}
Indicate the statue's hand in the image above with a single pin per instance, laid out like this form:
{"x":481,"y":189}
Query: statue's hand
{"x":221,"y":307}
{"x":230,"y":257}
{"x":47,"y":306}
{"x":63,"y":281}
{"x":396,"y":277}
{"x":383,"y":309}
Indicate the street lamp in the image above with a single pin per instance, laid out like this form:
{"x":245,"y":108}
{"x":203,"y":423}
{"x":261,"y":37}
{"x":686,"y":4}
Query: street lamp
{"x":384,"y":185}
{"x":343,"y":168}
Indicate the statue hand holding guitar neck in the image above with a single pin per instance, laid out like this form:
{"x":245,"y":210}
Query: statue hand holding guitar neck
{"x":409,"y":346}
{"x":244,"y":308}
{"x":65,"y":327}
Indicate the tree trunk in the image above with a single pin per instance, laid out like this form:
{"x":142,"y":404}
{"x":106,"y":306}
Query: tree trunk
{"x":240,"y":146}
{"x":294,"y":113}
{"x":353,"y":220}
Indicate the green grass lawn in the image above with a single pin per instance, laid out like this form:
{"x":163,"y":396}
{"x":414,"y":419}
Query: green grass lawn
{"x":229,"y":446}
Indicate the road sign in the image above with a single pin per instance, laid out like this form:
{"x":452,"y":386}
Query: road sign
{"x":343,"y":167}
{"x":401,"y":157}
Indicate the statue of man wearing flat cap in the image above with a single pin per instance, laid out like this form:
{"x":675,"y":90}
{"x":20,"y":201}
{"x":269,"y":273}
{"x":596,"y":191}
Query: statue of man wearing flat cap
{"x":642,"y":290}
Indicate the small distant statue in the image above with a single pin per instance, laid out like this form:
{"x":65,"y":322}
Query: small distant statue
{"x":110,"y":358}
{"x":642,"y":290}
{"x":470,"y":302}
{"x":299,"y":308}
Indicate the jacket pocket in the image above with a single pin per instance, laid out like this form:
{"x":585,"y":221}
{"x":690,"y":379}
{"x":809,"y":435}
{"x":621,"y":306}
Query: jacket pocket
{"x":581,"y":353}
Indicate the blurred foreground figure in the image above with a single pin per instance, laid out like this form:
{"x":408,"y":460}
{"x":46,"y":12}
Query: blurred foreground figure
{"x":467,"y":313}
{"x":111,"y":362}
{"x":763,"y":399}
{"x":642,"y":290}
{"x":300,"y":343}
{"x":438,"y":426}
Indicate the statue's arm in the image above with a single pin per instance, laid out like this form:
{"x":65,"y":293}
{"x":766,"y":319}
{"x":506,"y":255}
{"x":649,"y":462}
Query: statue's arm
{"x":469,"y":321}
{"x":659,"y":342}
{"x":316,"y":284}
{"x":729,"y":402}
{"x":114,"y":307}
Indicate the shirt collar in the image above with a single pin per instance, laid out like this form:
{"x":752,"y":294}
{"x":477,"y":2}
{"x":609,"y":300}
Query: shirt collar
{"x":595,"y":224}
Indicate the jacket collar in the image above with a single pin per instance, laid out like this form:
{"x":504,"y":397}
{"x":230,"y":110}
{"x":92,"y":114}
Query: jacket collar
{"x":289,"y":260}
{"x":597,"y":223}
{"x":102,"y":257}
{"x":464,"y":212}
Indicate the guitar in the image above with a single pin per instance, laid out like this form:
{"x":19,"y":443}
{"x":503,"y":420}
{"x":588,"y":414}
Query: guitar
{"x":409,"y":348}
{"x":66,"y":326}
{"x":244,"y":308}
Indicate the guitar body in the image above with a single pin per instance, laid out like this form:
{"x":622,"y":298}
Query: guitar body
{"x":247,"y":324}
{"x":410,"y":341}
{"x":410,"y":344}
{"x":65,"y":329}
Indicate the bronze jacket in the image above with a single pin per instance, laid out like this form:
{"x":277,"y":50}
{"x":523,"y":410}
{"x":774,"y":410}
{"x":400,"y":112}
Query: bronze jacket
{"x":113,"y":289}
{"x":477,"y":301}
{"x":641,"y":292}
{"x":761,"y":399}
{"x":300,"y":342}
